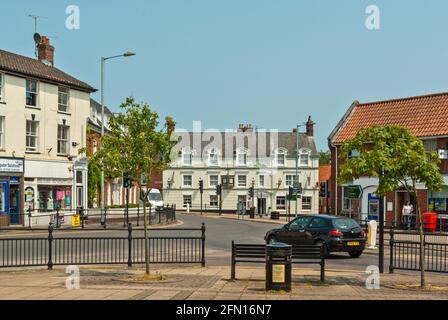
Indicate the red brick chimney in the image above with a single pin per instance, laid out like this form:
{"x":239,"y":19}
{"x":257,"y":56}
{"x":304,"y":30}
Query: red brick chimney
{"x":45,"y":51}
{"x":309,"y":127}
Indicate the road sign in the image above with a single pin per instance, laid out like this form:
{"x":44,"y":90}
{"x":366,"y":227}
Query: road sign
{"x":354,"y":192}
{"x":76,"y":220}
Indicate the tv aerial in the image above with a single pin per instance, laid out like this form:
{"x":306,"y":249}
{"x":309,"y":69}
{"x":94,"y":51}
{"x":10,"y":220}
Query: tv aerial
{"x":37,"y":37}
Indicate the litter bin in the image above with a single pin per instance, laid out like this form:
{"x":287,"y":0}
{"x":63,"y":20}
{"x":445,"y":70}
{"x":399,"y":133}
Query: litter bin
{"x":430,"y":221}
{"x":278,"y":267}
{"x":275,"y":215}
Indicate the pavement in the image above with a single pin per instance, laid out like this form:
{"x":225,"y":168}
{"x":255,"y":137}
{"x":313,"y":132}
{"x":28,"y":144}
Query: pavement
{"x":209,"y":283}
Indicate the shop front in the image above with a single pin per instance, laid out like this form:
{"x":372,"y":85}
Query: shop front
{"x":11,"y":191}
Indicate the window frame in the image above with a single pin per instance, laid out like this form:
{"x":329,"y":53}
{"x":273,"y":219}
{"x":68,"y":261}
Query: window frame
{"x":35,"y":93}
{"x":184,"y":203}
{"x":261,"y":185}
{"x":245,"y":181}
{"x":32,"y":135}
{"x":294,"y":179}
{"x":280,"y":207}
{"x":210,"y":180}
{"x":241,"y":154}
{"x":2,"y":132}
{"x":191,"y":180}
{"x":213,"y":153}
{"x":67,"y":140}
{"x":67,"y":106}
{"x":280,"y":154}
{"x":2,"y":87}
{"x":310,"y":203}
{"x":215,"y":202}
{"x":189,"y":153}
{"x":304,"y":153}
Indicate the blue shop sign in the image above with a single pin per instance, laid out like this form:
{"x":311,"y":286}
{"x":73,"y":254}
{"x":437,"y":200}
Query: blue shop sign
{"x":14,"y":180}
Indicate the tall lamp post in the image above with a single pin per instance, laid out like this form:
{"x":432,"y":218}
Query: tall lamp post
{"x":103,"y":62}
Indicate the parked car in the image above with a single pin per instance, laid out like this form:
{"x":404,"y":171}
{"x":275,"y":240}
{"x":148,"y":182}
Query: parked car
{"x":337,"y":234}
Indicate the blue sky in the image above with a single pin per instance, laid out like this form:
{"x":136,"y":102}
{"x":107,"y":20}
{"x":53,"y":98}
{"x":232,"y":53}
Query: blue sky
{"x":225,"y":62}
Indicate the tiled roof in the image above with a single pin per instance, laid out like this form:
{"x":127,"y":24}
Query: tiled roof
{"x":424,"y":116}
{"x":14,"y":63}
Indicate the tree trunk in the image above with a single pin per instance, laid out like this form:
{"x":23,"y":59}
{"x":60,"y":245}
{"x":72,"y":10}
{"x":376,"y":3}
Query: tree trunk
{"x":422,"y":239}
{"x":145,"y":227}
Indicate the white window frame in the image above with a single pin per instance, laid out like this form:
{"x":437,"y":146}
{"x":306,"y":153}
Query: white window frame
{"x":67,"y":106}
{"x":29,"y":134}
{"x":67,"y":140}
{"x":290,"y":179}
{"x":210,"y":180}
{"x":36,"y":93}
{"x":245,"y":181}
{"x":191,"y":180}
{"x":184,"y":203}
{"x":261,"y":177}
{"x":187,"y":152}
{"x":213,"y":153}
{"x":212,"y":203}
{"x":304,"y":153}
{"x":2,"y":132}
{"x":310,"y":203}
{"x":282,"y":207}
{"x":280,"y":154}
{"x":241,"y":154}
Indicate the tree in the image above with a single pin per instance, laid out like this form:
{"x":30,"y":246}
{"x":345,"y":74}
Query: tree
{"x":94,"y":180}
{"x":136,"y":145}
{"x":397,"y":158}
{"x":324,"y":157}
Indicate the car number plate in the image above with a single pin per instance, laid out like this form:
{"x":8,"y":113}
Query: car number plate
{"x":353,"y":243}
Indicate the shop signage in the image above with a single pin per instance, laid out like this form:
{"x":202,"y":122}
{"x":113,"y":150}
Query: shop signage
{"x":11,"y":165}
{"x":14,"y":180}
{"x":76,"y":220}
{"x":29,"y":194}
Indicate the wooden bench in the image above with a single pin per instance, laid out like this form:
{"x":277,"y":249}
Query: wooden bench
{"x":256,"y":253}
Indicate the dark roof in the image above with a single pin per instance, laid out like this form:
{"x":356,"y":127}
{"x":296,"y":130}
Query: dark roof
{"x":424,"y":116}
{"x":96,"y":126}
{"x":95,"y":104}
{"x":286,"y":140}
{"x":29,"y":67}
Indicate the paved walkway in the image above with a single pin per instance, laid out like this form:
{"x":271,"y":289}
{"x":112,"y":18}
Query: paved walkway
{"x":117,"y":282}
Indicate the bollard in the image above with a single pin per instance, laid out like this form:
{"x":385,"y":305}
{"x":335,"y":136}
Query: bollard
{"x":371,"y":234}
{"x":188,"y":208}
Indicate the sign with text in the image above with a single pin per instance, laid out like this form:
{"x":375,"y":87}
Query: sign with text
{"x":11,"y":165}
{"x":354,"y":192}
{"x":76,"y":220}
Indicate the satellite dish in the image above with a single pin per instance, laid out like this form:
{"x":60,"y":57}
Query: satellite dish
{"x":37,"y":38}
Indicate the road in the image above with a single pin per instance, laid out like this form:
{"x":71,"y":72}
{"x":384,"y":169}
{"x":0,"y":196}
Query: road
{"x":219,"y":234}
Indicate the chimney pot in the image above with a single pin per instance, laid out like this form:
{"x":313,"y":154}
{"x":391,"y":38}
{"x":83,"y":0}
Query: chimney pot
{"x":309,"y":127}
{"x":45,"y":51}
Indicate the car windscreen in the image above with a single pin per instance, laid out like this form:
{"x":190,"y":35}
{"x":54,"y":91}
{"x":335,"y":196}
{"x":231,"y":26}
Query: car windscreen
{"x":154,"y":196}
{"x":344,"y":223}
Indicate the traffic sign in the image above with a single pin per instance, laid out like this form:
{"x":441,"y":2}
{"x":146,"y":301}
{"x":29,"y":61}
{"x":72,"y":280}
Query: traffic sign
{"x":354,"y":192}
{"x":76,"y":220}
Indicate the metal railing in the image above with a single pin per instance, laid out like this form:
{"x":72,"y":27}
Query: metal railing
{"x":33,"y":218}
{"x":60,"y":248}
{"x":405,"y":254}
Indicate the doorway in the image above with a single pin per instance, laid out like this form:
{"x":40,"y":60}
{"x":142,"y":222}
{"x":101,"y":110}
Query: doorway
{"x":402,"y":197}
{"x":14,"y":204}
{"x":261,"y":206}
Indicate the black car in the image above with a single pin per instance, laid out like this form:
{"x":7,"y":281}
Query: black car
{"x":338,"y":234}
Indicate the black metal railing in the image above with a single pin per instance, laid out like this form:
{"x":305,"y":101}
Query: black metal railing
{"x":33,"y":218}
{"x":405,"y":254}
{"x":60,"y":248}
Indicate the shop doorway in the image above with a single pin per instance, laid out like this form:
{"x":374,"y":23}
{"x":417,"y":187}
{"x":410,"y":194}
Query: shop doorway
{"x":402,"y":197}
{"x":4,"y":199}
{"x":261,"y":206}
{"x":14,"y":204}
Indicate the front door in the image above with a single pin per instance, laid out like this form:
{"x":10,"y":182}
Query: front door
{"x":14,"y":204}
{"x":4,"y":198}
{"x":261,"y":206}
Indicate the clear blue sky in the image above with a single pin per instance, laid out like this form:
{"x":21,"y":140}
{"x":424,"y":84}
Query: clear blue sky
{"x":265,"y":62}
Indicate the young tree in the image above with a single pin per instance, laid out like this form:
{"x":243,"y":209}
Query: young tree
{"x":397,"y":158}
{"x":137,"y":146}
{"x":324,"y":157}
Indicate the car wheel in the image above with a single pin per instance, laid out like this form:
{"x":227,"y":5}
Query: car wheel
{"x":272,"y":240}
{"x":326,"y":251}
{"x":355,"y":254}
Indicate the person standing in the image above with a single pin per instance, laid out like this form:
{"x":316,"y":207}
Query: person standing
{"x":407,"y":213}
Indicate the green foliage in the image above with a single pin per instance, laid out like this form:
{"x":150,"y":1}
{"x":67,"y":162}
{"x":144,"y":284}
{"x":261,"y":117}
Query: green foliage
{"x":94,"y":180}
{"x":394,"y":155}
{"x":324,"y":157}
{"x":135,"y":144}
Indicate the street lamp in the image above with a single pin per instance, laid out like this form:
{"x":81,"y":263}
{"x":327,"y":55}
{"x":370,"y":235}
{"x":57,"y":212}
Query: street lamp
{"x":103,"y":60}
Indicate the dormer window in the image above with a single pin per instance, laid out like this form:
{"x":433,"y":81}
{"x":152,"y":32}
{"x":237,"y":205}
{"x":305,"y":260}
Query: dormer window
{"x":213,"y":157}
{"x":241,"y":157}
{"x":280,"y":157}
{"x":187,"y":157}
{"x":304,"y":157}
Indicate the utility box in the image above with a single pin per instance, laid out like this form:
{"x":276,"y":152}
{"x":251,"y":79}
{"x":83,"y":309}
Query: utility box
{"x":278,"y":267}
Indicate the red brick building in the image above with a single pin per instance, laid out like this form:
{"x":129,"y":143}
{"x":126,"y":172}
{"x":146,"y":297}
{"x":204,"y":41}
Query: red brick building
{"x":324,"y":181}
{"x":426,"y":118}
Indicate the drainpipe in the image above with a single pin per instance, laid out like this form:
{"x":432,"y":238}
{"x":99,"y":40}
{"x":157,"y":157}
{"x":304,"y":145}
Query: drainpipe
{"x":336,"y":181}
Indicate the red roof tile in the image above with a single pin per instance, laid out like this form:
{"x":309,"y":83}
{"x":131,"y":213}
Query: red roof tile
{"x":424,"y":116}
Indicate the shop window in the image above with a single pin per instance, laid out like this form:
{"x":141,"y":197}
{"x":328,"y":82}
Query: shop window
{"x":52,"y":197}
{"x":3,"y":198}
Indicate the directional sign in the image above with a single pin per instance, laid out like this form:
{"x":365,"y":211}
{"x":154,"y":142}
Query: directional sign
{"x":76,"y":220}
{"x":354,"y":192}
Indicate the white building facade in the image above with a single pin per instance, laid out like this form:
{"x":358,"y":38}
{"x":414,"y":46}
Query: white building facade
{"x":238,"y":160}
{"x":43,"y":114}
